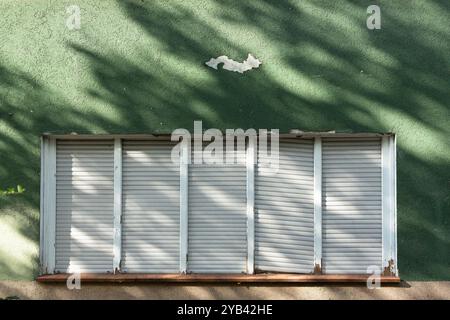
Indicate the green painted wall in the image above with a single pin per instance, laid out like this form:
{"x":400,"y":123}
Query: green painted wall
{"x":138,"y":67}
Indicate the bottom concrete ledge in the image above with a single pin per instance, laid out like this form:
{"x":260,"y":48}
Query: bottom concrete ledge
{"x":216,"y":278}
{"x":207,"y":291}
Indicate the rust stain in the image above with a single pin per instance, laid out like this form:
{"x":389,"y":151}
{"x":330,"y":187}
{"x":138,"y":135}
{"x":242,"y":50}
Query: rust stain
{"x":317,"y":269}
{"x":389,"y":270}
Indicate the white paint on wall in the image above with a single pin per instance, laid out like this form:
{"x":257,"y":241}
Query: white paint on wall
{"x":228,"y":64}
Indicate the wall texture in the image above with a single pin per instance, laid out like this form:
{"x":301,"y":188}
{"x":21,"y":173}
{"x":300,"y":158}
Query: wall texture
{"x":138,"y":67}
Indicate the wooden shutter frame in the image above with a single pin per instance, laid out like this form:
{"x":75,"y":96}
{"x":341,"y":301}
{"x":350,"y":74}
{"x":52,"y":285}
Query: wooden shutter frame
{"x":48,"y":215}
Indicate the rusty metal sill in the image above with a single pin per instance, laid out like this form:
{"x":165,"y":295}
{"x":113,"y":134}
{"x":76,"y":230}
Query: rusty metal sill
{"x":214,"y":278}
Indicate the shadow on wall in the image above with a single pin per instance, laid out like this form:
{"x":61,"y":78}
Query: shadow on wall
{"x":322,"y":70}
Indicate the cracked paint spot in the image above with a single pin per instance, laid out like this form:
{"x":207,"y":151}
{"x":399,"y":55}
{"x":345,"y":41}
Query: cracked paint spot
{"x":228,"y":64}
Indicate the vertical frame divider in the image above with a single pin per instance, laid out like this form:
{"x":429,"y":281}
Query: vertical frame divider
{"x":48,"y":205}
{"x":389,"y":233}
{"x":117,"y":248}
{"x":317,"y":205}
{"x":394,"y":202}
{"x":184,"y":192}
{"x":42,"y":251}
{"x":250,"y":164}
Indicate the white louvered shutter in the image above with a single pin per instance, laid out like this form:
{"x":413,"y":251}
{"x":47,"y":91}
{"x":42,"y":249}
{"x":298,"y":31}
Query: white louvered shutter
{"x":352,"y":196}
{"x":284,"y":215}
{"x":217,"y":218}
{"x":151,"y":208}
{"x":84,"y":206}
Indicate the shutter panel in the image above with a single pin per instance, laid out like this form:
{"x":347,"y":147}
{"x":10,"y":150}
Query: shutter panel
{"x":284,"y":206}
{"x":151,"y":208}
{"x":217,"y":218}
{"x":84,"y":206}
{"x":351,"y":173}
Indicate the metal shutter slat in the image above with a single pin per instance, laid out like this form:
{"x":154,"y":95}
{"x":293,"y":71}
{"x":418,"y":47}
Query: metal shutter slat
{"x":284,"y":210}
{"x":84,"y":206}
{"x":151,"y":207}
{"x":352,"y":234}
{"x":217,"y":218}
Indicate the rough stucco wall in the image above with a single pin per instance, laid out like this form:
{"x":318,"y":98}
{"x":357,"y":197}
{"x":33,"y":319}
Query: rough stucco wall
{"x":138,"y":67}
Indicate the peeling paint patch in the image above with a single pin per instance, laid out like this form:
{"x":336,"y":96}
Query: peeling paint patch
{"x":228,"y":64}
